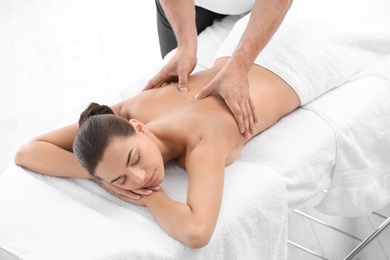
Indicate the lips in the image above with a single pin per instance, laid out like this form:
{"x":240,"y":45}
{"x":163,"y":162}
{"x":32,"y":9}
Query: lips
{"x":151,"y":179}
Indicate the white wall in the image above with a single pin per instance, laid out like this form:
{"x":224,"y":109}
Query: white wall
{"x":58,"y":55}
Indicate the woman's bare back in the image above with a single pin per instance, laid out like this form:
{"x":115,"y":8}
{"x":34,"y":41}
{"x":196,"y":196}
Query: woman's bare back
{"x":171,"y":114}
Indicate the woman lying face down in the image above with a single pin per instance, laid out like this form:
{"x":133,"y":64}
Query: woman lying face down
{"x":125,"y":147}
{"x":117,"y":151}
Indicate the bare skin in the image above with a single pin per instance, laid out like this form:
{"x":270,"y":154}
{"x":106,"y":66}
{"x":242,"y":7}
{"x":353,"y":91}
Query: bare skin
{"x":202,"y":135}
{"x":231,"y":82}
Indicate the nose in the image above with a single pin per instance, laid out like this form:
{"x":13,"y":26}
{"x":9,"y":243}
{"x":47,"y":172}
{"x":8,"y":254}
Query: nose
{"x":139,"y":176}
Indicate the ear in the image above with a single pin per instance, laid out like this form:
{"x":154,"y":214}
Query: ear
{"x":138,"y":126}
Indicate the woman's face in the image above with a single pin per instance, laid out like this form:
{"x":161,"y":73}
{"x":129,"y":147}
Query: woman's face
{"x":132,"y":162}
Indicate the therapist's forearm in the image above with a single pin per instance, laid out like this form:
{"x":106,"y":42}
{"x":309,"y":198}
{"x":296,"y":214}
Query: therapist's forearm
{"x":265,"y":19}
{"x":48,"y":159}
{"x":181,"y":15}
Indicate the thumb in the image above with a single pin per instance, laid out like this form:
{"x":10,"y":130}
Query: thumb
{"x":206,"y":91}
{"x":183,"y":83}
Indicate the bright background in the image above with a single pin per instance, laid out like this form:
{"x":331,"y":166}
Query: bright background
{"x":58,"y":55}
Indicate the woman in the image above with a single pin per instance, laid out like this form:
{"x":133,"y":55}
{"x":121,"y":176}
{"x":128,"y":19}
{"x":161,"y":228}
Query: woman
{"x":202,"y":135}
{"x":127,"y":152}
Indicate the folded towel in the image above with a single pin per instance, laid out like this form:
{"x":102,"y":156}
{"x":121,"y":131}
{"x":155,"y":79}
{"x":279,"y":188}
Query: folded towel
{"x":359,"y":113}
{"x":321,"y":44}
{"x":44,"y":217}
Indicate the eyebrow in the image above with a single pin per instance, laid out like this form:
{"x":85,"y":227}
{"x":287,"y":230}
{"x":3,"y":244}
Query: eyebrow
{"x":127,"y":164}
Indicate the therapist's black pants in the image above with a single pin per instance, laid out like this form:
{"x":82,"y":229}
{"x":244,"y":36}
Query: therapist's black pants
{"x":203,"y":19}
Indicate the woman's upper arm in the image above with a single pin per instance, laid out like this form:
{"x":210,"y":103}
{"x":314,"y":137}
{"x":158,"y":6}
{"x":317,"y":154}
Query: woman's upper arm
{"x":205,"y":165}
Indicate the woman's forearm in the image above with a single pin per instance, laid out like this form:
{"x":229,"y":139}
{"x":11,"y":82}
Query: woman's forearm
{"x":179,"y":220}
{"x":49,"y":159}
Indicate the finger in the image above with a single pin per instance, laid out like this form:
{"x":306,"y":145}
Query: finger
{"x":183,"y":83}
{"x":237,"y":113}
{"x":245,"y":120}
{"x":206,"y":91}
{"x":122,"y":193}
{"x":157,"y":188}
{"x":152,"y":84}
{"x":251,"y":125}
{"x":132,"y":195}
{"x":128,"y":199}
{"x":116,"y":191}
{"x":142,"y":191}
{"x":156,"y":81}
{"x":250,"y":118}
{"x":253,"y":109}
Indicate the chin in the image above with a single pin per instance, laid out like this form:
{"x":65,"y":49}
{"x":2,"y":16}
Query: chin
{"x":160,"y":177}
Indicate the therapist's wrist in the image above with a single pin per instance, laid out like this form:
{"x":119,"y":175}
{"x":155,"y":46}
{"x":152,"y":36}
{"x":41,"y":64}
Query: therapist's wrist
{"x":189,"y":48}
{"x":189,"y":53}
{"x":238,"y":65}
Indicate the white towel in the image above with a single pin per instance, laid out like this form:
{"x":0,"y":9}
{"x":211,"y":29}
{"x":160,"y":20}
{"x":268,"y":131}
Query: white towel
{"x":321,"y":44}
{"x":359,"y":113}
{"x":230,"y":7}
{"x":44,"y":217}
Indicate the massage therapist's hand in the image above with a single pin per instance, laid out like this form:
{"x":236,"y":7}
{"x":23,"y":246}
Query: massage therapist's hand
{"x":232,"y":84}
{"x":177,"y":69}
{"x":134,"y":197}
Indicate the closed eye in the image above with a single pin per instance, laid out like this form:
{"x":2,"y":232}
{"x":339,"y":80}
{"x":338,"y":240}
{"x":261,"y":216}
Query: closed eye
{"x":138,"y":159}
{"x":123,"y":181}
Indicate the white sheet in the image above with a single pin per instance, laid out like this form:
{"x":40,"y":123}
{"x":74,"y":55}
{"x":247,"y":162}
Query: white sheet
{"x":44,"y":217}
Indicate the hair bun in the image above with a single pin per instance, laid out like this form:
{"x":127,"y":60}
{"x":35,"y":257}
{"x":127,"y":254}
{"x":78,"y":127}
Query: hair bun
{"x":92,"y":110}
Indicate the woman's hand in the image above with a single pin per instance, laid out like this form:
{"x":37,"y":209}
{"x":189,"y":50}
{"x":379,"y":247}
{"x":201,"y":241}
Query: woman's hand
{"x":177,"y":69}
{"x":134,"y":197}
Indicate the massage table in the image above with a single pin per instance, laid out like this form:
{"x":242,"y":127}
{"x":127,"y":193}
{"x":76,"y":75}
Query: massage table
{"x":339,"y":142}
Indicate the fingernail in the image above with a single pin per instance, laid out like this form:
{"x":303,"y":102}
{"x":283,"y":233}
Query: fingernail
{"x":196,"y":97}
{"x":183,"y":90}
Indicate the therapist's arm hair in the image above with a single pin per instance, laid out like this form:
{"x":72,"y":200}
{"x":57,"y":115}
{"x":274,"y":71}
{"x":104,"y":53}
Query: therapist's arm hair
{"x":265,"y":19}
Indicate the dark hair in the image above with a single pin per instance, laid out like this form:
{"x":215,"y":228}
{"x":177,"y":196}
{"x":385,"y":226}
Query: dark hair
{"x":98,"y":125}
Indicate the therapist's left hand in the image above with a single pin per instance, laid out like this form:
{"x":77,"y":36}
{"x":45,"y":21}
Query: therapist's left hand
{"x":231,"y":83}
{"x":177,"y":69}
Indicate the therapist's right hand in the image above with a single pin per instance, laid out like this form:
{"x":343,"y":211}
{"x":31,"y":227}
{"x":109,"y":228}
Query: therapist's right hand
{"x":178,"y":68}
